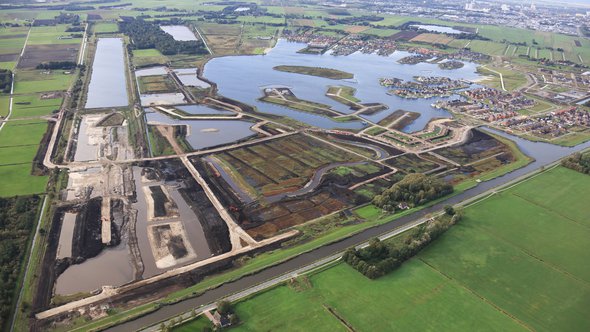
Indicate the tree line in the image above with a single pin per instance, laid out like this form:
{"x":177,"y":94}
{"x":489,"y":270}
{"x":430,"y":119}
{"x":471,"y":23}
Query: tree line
{"x":149,"y":35}
{"x":578,"y":162}
{"x":17,"y":219}
{"x":57,"y":65}
{"x":5,"y":80}
{"x":413,"y":190}
{"x":380,"y":258}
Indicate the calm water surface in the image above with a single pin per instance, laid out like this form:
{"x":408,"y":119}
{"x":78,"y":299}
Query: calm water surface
{"x":438,"y":28}
{"x":207,"y":133}
{"x":243,"y":78}
{"x":179,"y":32}
{"x":107,"y":86}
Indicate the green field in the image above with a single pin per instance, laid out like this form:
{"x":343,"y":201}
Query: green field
{"x":19,"y":141}
{"x":32,"y":81}
{"x":106,"y":28}
{"x":51,"y":35}
{"x":512,"y":79}
{"x":334,"y":74}
{"x":26,"y":106}
{"x":517,"y":261}
{"x":19,"y":181}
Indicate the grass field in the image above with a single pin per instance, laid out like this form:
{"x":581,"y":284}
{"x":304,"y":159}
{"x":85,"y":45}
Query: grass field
{"x":106,"y":28}
{"x":150,"y":56}
{"x":26,"y":106}
{"x":19,"y":141}
{"x":515,"y":262}
{"x":51,"y":35}
{"x":19,"y":181}
{"x":32,"y":81}
{"x":512,"y":79}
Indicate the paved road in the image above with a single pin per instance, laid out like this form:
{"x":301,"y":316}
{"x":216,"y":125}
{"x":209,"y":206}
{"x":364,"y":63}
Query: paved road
{"x":545,"y":154}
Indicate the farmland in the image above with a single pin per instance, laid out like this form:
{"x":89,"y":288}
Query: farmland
{"x":472,"y":273}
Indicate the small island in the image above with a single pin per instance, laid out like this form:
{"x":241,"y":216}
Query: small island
{"x":316,"y":71}
{"x":450,"y":65}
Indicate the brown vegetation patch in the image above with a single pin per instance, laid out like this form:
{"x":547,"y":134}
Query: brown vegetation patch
{"x":35,"y":54}
{"x":404,"y":35}
{"x":432,"y":38}
{"x":356,"y":28}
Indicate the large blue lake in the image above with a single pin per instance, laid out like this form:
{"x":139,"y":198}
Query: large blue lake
{"x":243,"y":77}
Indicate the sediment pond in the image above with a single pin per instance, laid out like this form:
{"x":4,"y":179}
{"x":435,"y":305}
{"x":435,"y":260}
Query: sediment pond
{"x":179,"y":32}
{"x":207,"y":133}
{"x":66,"y":236}
{"x":110,"y":268}
{"x":108,"y":86}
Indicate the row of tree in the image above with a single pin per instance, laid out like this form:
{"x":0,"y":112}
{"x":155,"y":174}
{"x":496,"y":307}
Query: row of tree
{"x":414,"y":189}
{"x":380,"y":258}
{"x":5,"y":80}
{"x":579,"y":162}
{"x":57,"y":65}
{"x":146,"y":34}
{"x":17,"y":219}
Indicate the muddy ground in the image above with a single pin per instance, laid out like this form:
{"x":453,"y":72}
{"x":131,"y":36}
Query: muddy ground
{"x":213,"y":225}
{"x":36,"y":54}
{"x":262,"y":219}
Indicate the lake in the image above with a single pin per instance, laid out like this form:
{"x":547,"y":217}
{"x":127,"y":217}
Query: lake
{"x":179,"y":32}
{"x":439,"y":28}
{"x":108,"y":87}
{"x":243,"y":78}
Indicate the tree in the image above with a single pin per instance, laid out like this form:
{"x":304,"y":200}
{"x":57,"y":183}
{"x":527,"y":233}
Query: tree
{"x":224,"y":307}
{"x":449,"y":210}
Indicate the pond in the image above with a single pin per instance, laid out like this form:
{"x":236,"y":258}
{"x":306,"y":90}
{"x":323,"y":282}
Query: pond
{"x":66,"y":235}
{"x":439,"y":28}
{"x":108,"y":87}
{"x":179,"y":32}
{"x":203,"y":110}
{"x":188,"y":77}
{"x":206,"y":133}
{"x":243,"y":78}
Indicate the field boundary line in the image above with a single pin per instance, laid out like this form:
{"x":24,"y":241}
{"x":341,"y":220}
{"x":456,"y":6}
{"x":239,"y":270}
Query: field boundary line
{"x":552,"y":211}
{"x":535,"y":257}
{"x":476,"y":294}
